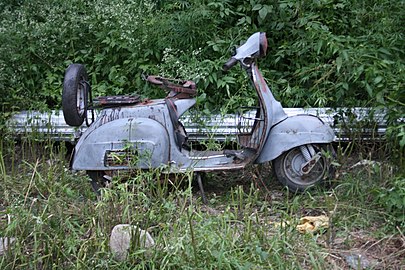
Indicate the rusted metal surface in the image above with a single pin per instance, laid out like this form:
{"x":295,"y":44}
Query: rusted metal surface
{"x":348,"y":124}
{"x":106,"y":101}
{"x":178,"y":86}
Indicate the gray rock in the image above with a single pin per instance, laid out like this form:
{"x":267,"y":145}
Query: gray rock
{"x":5,"y":243}
{"x":357,"y":261}
{"x":123,"y":236}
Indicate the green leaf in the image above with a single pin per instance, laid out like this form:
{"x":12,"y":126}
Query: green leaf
{"x":257,"y":7}
{"x":369,"y":90}
{"x":241,"y":21}
{"x":319,"y":46}
{"x":360,"y":70}
{"x":384,"y":51}
{"x":345,"y":55}
{"x":378,"y":79}
{"x":338,"y":63}
{"x":345,"y":86}
{"x":263,"y":13}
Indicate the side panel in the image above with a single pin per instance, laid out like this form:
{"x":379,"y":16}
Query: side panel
{"x":119,"y":144}
{"x":183,"y":105}
{"x":292,"y":132}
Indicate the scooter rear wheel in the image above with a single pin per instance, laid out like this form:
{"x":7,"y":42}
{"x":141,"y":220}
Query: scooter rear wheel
{"x":288,"y":168}
{"x":74,"y":96}
{"x":98,"y":181}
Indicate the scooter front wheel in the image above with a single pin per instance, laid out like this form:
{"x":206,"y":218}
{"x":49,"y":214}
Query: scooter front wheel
{"x":303,"y":167}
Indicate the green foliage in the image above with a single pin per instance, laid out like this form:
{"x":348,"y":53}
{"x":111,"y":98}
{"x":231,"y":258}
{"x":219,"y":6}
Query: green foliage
{"x":392,"y":198}
{"x":322,"y":53}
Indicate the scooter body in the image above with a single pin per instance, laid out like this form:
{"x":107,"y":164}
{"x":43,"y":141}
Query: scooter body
{"x":148,"y":134}
{"x":143,"y":136}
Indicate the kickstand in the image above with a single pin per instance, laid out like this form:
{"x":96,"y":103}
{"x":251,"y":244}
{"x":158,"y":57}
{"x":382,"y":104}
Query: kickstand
{"x":200,"y":185}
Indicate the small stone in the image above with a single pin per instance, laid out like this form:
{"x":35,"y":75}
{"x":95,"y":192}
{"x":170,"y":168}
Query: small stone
{"x":357,"y":261}
{"x":5,"y":243}
{"x":122,"y":235}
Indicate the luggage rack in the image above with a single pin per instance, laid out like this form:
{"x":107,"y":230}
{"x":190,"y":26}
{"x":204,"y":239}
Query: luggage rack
{"x":107,"y":102}
{"x":115,"y":101}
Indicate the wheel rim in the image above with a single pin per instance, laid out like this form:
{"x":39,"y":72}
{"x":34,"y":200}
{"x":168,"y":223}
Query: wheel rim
{"x":81,"y":98}
{"x":292,"y":165}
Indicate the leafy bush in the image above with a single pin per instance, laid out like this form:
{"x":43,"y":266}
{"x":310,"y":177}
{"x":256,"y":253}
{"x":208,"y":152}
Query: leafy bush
{"x":322,"y":53}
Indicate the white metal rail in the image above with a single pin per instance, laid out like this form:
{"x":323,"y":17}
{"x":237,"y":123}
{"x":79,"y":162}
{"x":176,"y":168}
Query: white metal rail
{"x":348,"y":124}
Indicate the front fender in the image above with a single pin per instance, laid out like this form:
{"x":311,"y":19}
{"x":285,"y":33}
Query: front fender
{"x":292,"y":132}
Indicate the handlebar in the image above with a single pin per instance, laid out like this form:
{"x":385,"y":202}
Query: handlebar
{"x":230,"y":63}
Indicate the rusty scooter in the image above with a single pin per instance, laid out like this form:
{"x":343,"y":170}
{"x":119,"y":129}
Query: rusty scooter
{"x":129,"y":133}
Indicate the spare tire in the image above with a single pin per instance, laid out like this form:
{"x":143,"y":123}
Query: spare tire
{"x":74,"y":96}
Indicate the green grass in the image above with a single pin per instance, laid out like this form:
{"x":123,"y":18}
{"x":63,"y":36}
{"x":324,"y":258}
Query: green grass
{"x":59,"y":223}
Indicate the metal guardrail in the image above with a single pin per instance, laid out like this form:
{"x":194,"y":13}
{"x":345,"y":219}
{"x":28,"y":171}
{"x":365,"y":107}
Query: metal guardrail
{"x":348,"y":124}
